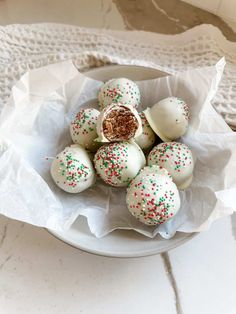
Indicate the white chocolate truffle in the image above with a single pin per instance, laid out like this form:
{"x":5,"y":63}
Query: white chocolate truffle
{"x":83,"y":129}
{"x":118,"y":122}
{"x":118,"y":163}
{"x":147,"y":139}
{"x":177,"y":159}
{"x":120,"y":90}
{"x":72,"y":169}
{"x":152,"y":197}
{"x":168,"y":118}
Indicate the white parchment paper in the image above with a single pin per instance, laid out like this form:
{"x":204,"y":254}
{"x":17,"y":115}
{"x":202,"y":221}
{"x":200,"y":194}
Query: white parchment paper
{"x":35,"y":125}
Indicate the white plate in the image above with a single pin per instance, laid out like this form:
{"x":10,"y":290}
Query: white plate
{"x":120,"y":243}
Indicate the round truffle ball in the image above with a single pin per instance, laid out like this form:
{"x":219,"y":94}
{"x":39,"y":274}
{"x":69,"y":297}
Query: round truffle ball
{"x":83,"y":129}
{"x":118,"y":122}
{"x":177,"y":159}
{"x":120,"y":90}
{"x":168,"y":118}
{"x":152,"y":196}
{"x":118,"y":163}
{"x":147,"y":139}
{"x":72,"y":170}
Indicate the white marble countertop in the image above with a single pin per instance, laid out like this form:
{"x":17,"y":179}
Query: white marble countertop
{"x":40,"y":274}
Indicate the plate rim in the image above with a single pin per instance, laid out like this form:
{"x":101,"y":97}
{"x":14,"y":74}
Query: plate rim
{"x":121,"y":255}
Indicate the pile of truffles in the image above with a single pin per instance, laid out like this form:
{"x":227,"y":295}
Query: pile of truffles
{"x":136,"y":150}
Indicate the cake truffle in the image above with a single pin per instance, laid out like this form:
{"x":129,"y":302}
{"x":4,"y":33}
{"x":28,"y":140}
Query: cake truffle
{"x":120,"y":90}
{"x":83,"y":129}
{"x":177,"y":159}
{"x":72,"y":169}
{"x":118,"y":122}
{"x":118,"y":163}
{"x":147,"y":139}
{"x":152,"y":196}
{"x":168,"y":118}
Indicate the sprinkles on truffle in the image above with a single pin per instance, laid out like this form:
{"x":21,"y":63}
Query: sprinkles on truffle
{"x":84,"y":122}
{"x":177,"y":159}
{"x":83,"y":128}
{"x":152,"y":197}
{"x":72,"y":169}
{"x":185,"y":107}
{"x":119,"y":90}
{"x":118,"y":163}
{"x":179,"y":153}
{"x":114,"y":159}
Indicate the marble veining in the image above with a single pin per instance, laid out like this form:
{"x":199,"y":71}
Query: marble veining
{"x":167,"y":17}
{"x":4,"y":234}
{"x":233,"y":225}
{"x":5,"y":261}
{"x":168,"y":268}
{"x":162,"y":11}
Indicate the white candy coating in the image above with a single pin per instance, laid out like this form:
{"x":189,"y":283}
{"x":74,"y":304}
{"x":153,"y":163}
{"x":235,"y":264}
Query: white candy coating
{"x":177,"y":159}
{"x":72,"y":169}
{"x":118,"y":163}
{"x":168,"y":118}
{"x":100,"y":128}
{"x":152,"y":196}
{"x":147,"y":139}
{"x":83,"y":129}
{"x":120,"y":90}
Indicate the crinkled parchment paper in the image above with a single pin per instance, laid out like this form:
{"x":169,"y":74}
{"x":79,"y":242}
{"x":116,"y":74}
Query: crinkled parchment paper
{"x":34,"y":125}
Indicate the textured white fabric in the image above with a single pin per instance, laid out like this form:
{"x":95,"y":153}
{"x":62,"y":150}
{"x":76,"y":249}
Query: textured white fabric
{"x":24,"y":47}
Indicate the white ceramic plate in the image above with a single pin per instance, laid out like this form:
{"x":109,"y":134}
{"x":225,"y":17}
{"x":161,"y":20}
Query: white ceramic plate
{"x":120,"y":243}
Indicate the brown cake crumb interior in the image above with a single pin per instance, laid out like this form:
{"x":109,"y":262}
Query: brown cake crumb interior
{"x":120,"y":124}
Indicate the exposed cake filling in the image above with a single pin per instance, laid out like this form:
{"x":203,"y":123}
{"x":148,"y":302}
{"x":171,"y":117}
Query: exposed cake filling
{"x":120,"y":124}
